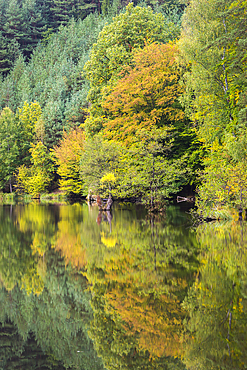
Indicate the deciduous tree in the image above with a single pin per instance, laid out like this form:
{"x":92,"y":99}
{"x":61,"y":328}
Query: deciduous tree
{"x":146,"y":95}
{"x":99,"y":159}
{"x":148,"y":172}
{"x":212,"y":43}
{"x":37,"y":178}
{"x":113,"y":50}
{"x":68,"y":155}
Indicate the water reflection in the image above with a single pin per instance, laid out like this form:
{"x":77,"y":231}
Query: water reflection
{"x":43,"y":296}
{"x":139,"y":278}
{"x":121,"y":290}
{"x":217,"y":301}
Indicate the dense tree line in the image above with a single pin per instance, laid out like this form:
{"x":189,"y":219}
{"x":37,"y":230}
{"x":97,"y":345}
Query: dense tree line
{"x":23,"y":23}
{"x":49,"y":96}
{"x":213,"y":41}
{"x":146,"y":102}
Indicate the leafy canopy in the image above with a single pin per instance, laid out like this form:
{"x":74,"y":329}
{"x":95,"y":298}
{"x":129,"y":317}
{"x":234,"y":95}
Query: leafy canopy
{"x":67,"y":156}
{"x":114,"y":49}
{"x":145,"y":97}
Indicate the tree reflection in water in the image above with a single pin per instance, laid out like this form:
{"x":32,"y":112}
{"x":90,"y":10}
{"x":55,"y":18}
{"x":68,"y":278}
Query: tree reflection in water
{"x":121,"y":290}
{"x":55,"y":312}
{"x":217,"y":301}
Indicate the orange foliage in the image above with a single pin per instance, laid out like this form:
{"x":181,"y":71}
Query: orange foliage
{"x":146,"y":95}
{"x":68,"y":155}
{"x":158,"y":321}
{"x":72,"y":250}
{"x":68,"y":242}
{"x":71,"y":145}
{"x":137,"y":296}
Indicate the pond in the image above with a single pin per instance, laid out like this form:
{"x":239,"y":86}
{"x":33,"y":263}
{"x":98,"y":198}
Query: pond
{"x":81,"y":289}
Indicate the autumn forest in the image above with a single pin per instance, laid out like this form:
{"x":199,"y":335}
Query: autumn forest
{"x":139,"y":100}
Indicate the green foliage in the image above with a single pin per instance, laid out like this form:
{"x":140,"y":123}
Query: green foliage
{"x":225,"y":189}
{"x":10,"y":147}
{"x":100,"y":158}
{"x":147,"y":170}
{"x":23,"y":23}
{"x":207,"y":40}
{"x":9,"y":52}
{"x":114,"y":49}
{"x":217,"y":301}
{"x":30,"y":118}
{"x":67,"y":157}
{"x":212,"y":44}
{"x":143,"y":171}
{"x":63,"y":10}
{"x":29,"y":115}
{"x":36,"y":179}
{"x":53,"y":78}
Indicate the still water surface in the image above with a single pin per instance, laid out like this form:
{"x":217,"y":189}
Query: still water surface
{"x":86,"y":290}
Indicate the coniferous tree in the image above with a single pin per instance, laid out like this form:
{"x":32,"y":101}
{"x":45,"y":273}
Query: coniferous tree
{"x":53,"y":77}
{"x":62,"y":11}
{"x":9,"y":52}
{"x":84,"y":8}
{"x":16,"y":25}
{"x":9,"y":147}
{"x":36,"y":23}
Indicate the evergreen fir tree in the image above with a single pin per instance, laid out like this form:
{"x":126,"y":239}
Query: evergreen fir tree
{"x":16,"y":26}
{"x":9,"y":52}
{"x":35,"y":21}
{"x":63,"y":10}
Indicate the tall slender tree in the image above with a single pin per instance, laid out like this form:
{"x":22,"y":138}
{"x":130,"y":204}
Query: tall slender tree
{"x":9,"y":148}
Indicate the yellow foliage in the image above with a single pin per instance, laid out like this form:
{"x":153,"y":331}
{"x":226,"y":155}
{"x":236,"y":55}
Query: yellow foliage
{"x":67,"y":156}
{"x":40,"y":243}
{"x":32,"y":282}
{"x":68,"y":238}
{"x":108,"y":241}
{"x":29,"y":115}
{"x":108,"y":178}
{"x":145,"y":95}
